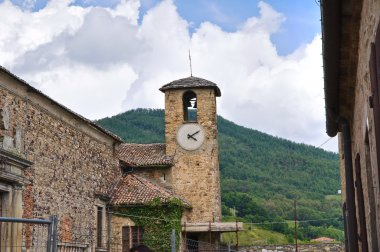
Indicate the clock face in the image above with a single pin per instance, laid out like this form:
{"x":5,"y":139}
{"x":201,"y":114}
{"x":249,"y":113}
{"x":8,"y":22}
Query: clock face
{"x":190,"y":136}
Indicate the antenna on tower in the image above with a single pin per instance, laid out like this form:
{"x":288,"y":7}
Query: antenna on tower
{"x":191,"y":68}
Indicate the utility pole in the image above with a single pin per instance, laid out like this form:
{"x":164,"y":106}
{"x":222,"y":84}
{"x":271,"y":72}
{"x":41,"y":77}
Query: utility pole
{"x":237,"y":236}
{"x":295,"y":225}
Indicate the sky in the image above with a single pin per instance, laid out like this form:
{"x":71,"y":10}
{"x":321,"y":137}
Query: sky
{"x":103,"y":57}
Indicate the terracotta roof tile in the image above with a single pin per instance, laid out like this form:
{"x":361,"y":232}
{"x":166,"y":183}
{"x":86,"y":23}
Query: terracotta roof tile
{"x":144,"y":155}
{"x":136,"y":190}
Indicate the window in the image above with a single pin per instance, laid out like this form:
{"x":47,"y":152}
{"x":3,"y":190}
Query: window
{"x":137,"y":233}
{"x":131,"y":236}
{"x":361,"y":207}
{"x":189,"y":106}
{"x":2,"y":124}
{"x":99,"y":226}
{"x":1,"y":205}
{"x":371,"y":191}
{"x":374,"y":65}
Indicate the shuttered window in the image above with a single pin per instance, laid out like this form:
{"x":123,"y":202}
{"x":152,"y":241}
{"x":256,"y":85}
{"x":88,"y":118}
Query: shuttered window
{"x":360,"y":206}
{"x":131,"y":236}
{"x":137,"y":233}
{"x":375,"y":103}
{"x":374,"y":67}
{"x":100,"y":226}
{"x":126,"y":238}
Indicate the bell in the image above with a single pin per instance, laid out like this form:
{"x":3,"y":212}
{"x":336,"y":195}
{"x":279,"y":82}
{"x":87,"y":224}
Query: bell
{"x":187,"y":103}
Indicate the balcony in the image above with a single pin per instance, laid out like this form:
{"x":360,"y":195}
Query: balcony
{"x":220,"y":227}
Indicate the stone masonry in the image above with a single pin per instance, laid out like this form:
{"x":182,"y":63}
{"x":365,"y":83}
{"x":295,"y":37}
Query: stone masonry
{"x":362,"y":121}
{"x":195,"y":174}
{"x":73,"y":161}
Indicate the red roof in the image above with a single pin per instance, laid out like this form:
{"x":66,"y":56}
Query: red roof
{"x":136,"y":190}
{"x":145,"y":155}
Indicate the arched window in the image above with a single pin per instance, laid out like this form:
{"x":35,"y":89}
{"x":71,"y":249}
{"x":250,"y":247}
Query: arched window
{"x":189,"y":106}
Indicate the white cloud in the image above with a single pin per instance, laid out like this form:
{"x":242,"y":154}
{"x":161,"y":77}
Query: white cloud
{"x":101,"y":61}
{"x":85,"y":89}
{"x":22,"y":30}
{"x":128,"y":9}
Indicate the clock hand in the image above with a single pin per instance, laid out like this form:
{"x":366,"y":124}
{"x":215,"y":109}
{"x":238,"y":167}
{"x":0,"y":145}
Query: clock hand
{"x":191,"y":136}
{"x":195,"y":133}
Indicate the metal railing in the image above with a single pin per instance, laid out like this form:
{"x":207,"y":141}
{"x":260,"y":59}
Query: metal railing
{"x":45,"y":235}
{"x":17,"y":234}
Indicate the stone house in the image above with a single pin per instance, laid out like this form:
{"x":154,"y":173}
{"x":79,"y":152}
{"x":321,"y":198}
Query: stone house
{"x":53,"y":162}
{"x":56,"y":162}
{"x":351,"y":56}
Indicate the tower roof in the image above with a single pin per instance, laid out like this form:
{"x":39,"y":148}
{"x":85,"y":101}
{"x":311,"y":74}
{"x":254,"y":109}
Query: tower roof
{"x":191,"y":82}
{"x":144,"y":155}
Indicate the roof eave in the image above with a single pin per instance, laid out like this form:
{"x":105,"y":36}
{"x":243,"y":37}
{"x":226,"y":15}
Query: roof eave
{"x":218,"y":93}
{"x":131,"y":165}
{"x":331,"y":35}
{"x":152,"y":166}
{"x":121,"y":205}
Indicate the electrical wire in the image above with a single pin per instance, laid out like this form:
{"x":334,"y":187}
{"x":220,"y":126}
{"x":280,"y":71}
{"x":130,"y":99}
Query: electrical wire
{"x":283,"y":222}
{"x":325,"y":142}
{"x":248,"y":223}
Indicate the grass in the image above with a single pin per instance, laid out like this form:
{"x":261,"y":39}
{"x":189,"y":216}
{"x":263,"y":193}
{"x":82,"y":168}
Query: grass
{"x":334,"y":197}
{"x":256,"y":236}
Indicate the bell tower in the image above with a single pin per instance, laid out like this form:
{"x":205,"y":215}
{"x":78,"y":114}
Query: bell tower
{"x":192,"y":139}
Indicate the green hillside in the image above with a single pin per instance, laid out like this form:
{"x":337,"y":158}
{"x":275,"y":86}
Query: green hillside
{"x":261,"y":175}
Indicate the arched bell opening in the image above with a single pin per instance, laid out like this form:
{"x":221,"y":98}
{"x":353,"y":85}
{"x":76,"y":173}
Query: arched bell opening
{"x":189,"y":106}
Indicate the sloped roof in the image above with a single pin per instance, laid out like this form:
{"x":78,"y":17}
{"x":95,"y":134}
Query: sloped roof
{"x":136,"y":190}
{"x":191,"y":82}
{"x":144,"y":155}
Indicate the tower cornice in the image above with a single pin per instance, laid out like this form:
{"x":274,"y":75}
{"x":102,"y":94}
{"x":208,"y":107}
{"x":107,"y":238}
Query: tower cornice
{"x":190,"y":83}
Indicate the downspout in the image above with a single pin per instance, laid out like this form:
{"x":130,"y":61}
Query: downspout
{"x":109,"y":228}
{"x":350,"y":191}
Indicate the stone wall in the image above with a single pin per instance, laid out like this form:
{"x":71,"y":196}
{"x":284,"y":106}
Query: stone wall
{"x":361,"y":122}
{"x":72,"y":161}
{"x":195,"y":174}
{"x":160,"y":175}
{"x":332,"y":247}
{"x":117,"y":223}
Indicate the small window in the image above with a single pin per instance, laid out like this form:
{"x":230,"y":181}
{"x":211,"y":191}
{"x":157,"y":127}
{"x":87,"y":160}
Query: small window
{"x":137,"y":233}
{"x":131,"y":236}
{"x":1,"y":207}
{"x":189,"y":106}
{"x":99,"y":226}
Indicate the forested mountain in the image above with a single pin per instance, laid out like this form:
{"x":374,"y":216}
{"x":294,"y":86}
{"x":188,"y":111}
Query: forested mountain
{"x":261,"y":175}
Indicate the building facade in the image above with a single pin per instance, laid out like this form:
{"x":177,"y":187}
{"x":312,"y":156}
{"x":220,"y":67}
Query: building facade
{"x":55,"y":162}
{"x":351,"y":55}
